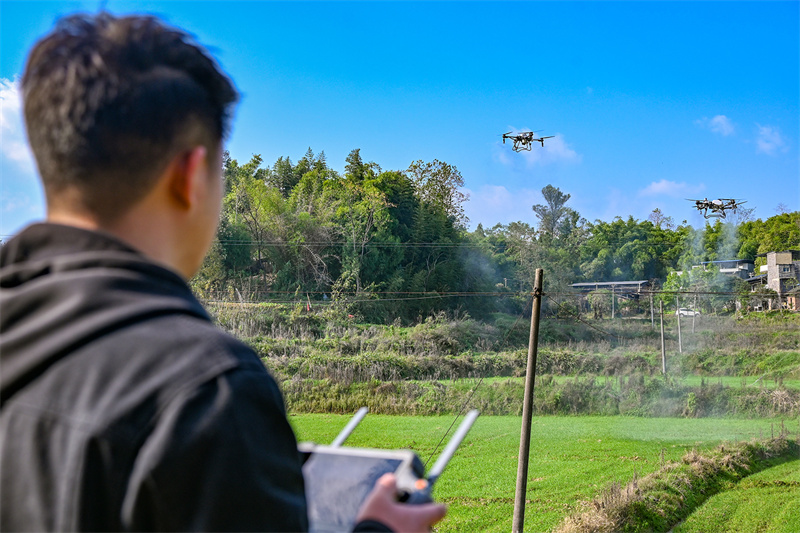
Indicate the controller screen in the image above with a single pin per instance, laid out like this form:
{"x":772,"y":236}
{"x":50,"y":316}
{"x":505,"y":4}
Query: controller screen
{"x":336,"y":485}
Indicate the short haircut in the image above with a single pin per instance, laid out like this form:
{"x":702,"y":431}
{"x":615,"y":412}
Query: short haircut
{"x":110,"y":101}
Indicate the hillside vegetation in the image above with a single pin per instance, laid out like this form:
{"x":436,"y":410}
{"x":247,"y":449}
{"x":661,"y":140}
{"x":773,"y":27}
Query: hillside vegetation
{"x":327,"y":362}
{"x":393,"y":245}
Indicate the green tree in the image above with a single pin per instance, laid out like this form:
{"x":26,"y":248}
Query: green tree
{"x":600,"y":302}
{"x":625,"y":250}
{"x":227,"y":261}
{"x":314,"y":233}
{"x":357,"y":170}
{"x":361,"y":212}
{"x":261,"y":209}
{"x":560,"y":236}
{"x":401,"y":201}
{"x":554,"y":215}
{"x":439,"y":184}
{"x":283,"y":176}
{"x":775,"y":234}
{"x":660,"y":220}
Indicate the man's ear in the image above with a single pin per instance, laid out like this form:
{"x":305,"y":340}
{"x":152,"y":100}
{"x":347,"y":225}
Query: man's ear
{"x":188,"y":176}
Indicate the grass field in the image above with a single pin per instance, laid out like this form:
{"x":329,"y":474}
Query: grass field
{"x":572,"y":458}
{"x":767,"y":502}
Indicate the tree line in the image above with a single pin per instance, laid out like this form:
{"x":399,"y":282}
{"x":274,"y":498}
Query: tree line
{"x":394,"y":244}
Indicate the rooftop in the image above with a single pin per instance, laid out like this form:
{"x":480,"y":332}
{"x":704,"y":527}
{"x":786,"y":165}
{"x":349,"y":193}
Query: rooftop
{"x":793,"y":252}
{"x":626,"y":284}
{"x":727,"y":261}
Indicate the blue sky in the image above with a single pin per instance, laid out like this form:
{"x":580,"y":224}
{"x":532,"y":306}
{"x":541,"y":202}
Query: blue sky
{"x":649,"y":102}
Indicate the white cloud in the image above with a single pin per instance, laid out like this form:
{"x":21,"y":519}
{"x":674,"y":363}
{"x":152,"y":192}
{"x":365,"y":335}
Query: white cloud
{"x":671,"y":189}
{"x":493,"y":204}
{"x":502,"y":155}
{"x":722,"y":125}
{"x":769,"y":140}
{"x":14,"y":145}
{"x":718,"y":124}
{"x":555,"y":150}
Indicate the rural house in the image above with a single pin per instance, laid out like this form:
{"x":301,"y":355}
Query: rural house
{"x":781,"y":275}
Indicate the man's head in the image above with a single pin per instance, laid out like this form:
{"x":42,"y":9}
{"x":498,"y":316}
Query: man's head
{"x":109,"y":102}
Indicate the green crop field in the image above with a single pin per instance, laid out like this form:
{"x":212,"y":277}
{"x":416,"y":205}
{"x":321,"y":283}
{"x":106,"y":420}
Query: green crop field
{"x":767,"y":502}
{"x":572,"y":458}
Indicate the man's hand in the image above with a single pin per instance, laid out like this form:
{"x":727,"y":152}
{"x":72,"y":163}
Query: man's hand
{"x":381,"y":505}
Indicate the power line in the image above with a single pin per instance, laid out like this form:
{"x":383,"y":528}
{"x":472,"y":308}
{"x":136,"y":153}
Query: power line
{"x":387,"y":244}
{"x":475,"y":388}
{"x":390,"y":244}
{"x":439,"y":294}
{"x":578,"y":317}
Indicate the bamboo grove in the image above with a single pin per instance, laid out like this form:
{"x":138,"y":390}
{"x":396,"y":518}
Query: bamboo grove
{"x":394,"y":244}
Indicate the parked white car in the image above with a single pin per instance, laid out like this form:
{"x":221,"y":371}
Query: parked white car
{"x":687,"y":312}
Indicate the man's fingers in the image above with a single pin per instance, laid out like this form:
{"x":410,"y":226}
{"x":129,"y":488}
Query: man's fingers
{"x":387,"y":482}
{"x":432,"y":512}
{"x":382,"y":505}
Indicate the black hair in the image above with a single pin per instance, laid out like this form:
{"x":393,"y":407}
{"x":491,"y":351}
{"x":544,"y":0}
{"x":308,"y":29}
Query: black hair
{"x":110,"y":101}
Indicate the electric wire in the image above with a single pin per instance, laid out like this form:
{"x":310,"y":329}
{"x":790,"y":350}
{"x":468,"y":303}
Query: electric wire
{"x":411,"y":244}
{"x":582,"y":321}
{"x":472,"y":392}
{"x":379,"y":296}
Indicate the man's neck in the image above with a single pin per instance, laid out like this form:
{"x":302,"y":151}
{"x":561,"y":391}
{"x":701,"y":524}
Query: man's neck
{"x":145,"y":234}
{"x":72,"y":219}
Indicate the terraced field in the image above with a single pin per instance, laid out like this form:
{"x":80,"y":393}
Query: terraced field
{"x":572,"y":458}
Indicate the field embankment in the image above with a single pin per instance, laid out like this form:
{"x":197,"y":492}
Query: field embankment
{"x":662,"y":499}
{"x":767,"y":502}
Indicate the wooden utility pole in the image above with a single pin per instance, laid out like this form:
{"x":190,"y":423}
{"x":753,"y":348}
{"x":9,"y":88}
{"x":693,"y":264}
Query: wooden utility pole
{"x":694,"y":314}
{"x":680,"y":341}
{"x":663,"y":350}
{"x":612,"y":303}
{"x":527,"y":409}
{"x":652,"y":319}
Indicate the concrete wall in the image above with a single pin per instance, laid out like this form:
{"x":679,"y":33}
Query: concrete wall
{"x":779,"y":267}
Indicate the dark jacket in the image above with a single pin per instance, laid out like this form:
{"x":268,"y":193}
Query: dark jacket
{"x":122,"y":407}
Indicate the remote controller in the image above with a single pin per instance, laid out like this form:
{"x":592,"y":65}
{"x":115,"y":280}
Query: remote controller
{"x":338,"y":479}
